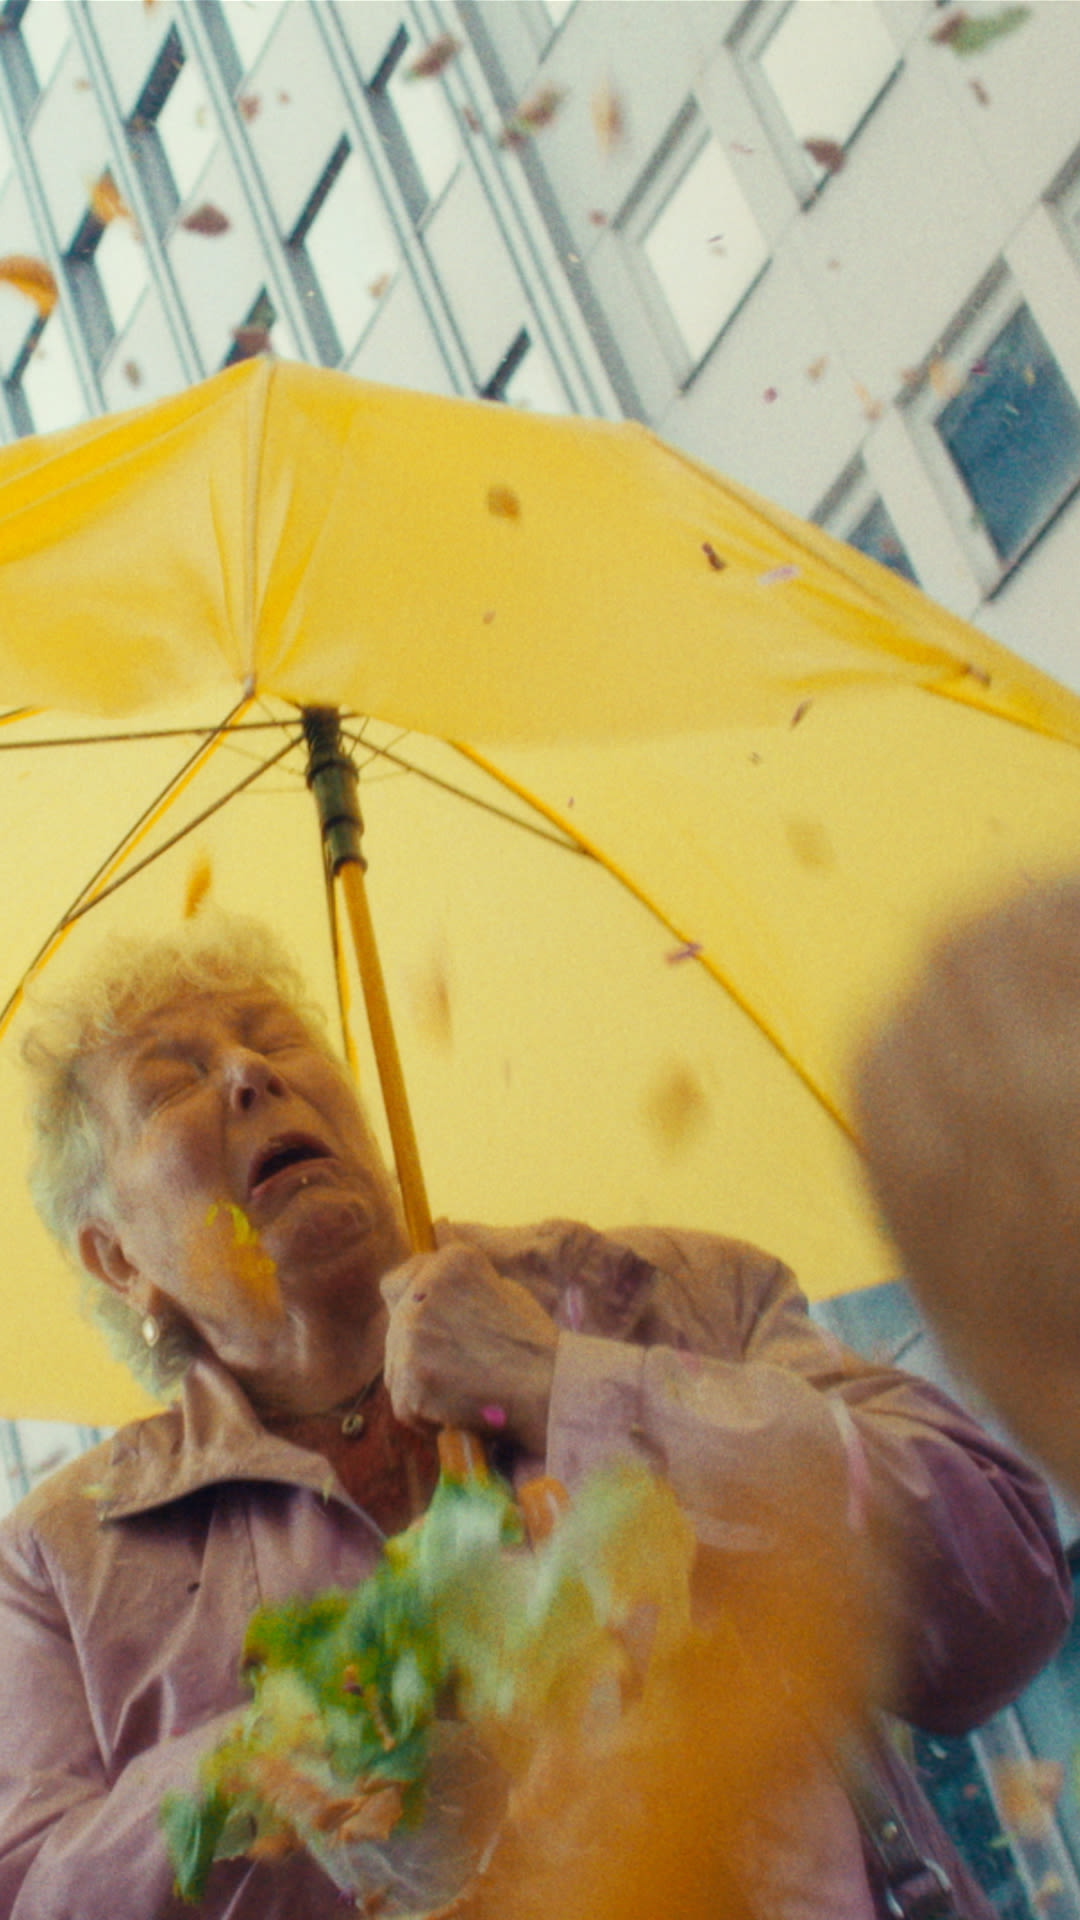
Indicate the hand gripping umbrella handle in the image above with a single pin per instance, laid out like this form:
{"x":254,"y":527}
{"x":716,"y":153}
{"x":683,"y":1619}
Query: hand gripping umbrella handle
{"x":332,"y":778}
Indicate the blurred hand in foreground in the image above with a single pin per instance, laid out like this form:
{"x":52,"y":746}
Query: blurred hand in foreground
{"x":968,"y":1104}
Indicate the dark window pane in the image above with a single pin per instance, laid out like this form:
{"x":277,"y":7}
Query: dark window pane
{"x":1014,"y":435}
{"x":876,"y":536}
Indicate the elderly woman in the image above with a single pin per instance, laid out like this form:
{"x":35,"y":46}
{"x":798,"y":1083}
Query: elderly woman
{"x":204,"y":1153}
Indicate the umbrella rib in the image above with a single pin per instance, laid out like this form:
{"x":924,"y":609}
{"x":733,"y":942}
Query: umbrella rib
{"x":81,"y":904}
{"x":685,"y":938}
{"x":568,"y":843}
{"x":202,"y":734}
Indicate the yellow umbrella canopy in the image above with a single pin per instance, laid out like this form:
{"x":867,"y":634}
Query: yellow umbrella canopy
{"x":663,"y":790}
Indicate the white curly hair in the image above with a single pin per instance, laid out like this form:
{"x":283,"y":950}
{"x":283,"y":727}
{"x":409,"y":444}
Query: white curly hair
{"x":130,"y":979}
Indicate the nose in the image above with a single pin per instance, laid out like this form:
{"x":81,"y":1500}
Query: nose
{"x":249,"y":1077}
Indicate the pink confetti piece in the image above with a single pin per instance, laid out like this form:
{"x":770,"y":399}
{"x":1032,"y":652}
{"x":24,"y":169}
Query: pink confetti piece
{"x":688,"y":951}
{"x":574,"y":1308}
{"x":776,"y":575}
{"x":493,"y":1416}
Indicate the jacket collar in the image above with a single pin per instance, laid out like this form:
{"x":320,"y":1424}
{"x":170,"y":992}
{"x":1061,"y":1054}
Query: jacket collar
{"x":209,"y":1434}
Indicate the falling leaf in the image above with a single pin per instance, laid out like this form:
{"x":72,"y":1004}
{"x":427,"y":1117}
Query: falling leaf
{"x":378,"y":286}
{"x":770,"y":394}
{"x":828,"y":154}
{"x":471,"y":120}
{"x":810,"y":843}
{"x":202,"y":115}
{"x":1028,"y":376}
{"x":979,"y":366}
{"x":738,"y":147}
{"x":946,"y":380}
{"x":688,"y":951}
{"x":132,"y":373}
{"x":872,"y":409}
{"x":713,"y":557}
{"x":250,"y":341}
{"x":817,"y":367}
{"x":434,"y":57}
{"x":775,"y":575}
{"x":980,"y":92}
{"x":206,"y":219}
{"x":800,"y":712}
{"x":1027,"y":1791}
{"x":81,"y":84}
{"x":715,"y":244}
{"x":834,"y":265}
{"x":431,"y":1008}
{"x":597,"y":217}
{"x":31,"y":277}
{"x":106,"y":200}
{"x":608,"y":118}
{"x":538,"y":111}
{"x":676,"y":1108}
{"x":284,"y":99}
{"x":964,"y":34}
{"x":488,"y":617}
{"x":198,"y":886}
{"x":503,"y":503}
{"x":249,"y":106}
{"x":1049,"y":1887}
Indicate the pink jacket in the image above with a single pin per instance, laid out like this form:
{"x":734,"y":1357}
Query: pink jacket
{"x":127,"y":1579}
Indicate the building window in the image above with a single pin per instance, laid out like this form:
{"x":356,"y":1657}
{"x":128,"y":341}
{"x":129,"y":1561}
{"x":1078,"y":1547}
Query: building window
{"x":1013,"y":435}
{"x":33,"y":36}
{"x":43,"y":387}
{"x":238,"y":31}
{"x":172,"y":131}
{"x":816,"y":71}
{"x":87,"y":289}
{"x":854,"y":511}
{"x":343,"y":254}
{"x":1065,"y":200}
{"x":695,"y":241}
{"x":526,"y":378}
{"x":416,"y":125}
{"x":15,"y":54}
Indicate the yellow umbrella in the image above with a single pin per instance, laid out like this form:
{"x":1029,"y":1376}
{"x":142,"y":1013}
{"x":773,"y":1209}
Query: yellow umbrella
{"x":662,"y":789}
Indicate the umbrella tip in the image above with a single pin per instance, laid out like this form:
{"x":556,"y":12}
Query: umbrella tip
{"x":249,"y":686}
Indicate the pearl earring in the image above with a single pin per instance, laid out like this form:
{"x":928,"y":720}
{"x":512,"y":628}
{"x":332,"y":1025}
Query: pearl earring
{"x":151,"y":1329}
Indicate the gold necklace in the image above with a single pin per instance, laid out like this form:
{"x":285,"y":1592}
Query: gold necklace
{"x":348,"y":1414}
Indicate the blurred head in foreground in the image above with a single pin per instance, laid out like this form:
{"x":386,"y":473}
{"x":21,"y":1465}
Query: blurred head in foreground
{"x":968,"y":1103}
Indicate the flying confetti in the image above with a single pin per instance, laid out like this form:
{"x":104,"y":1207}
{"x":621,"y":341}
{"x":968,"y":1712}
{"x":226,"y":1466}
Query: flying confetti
{"x":965,"y":34}
{"x":828,"y":154}
{"x":608,"y":118}
{"x":32,"y":278}
{"x":107,"y":202}
{"x":436,"y":56}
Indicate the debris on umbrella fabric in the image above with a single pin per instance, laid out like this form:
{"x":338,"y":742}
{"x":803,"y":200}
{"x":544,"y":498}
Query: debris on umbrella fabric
{"x":544,"y":1653}
{"x":503,"y":502}
{"x":434,"y":58}
{"x":775,"y":576}
{"x":966,"y":33}
{"x":198,"y":886}
{"x":608,"y":117}
{"x":827,"y":153}
{"x":431,"y":1008}
{"x":688,"y":951}
{"x":32,"y":278}
{"x":800,"y":712}
{"x":206,"y":218}
{"x":713,"y":557}
{"x":676,"y":1108}
{"x":809,"y":842}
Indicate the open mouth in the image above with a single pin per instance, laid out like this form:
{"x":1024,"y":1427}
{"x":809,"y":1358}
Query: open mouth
{"x":288,"y":1150}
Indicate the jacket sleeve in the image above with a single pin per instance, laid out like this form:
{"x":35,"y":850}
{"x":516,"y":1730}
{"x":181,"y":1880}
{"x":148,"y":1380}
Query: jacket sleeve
{"x":76,"y":1844}
{"x":796,"y":1447}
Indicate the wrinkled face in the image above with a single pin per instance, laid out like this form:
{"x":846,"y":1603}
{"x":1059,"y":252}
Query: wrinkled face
{"x":245,"y":1187}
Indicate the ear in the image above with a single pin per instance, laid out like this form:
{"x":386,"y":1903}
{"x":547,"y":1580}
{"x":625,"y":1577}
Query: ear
{"x":102,"y":1254}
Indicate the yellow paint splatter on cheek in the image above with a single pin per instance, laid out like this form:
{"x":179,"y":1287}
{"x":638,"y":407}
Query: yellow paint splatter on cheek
{"x":248,"y":1262}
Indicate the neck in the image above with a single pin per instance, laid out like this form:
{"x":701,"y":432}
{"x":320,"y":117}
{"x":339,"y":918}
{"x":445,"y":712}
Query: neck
{"x":326,"y":1371}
